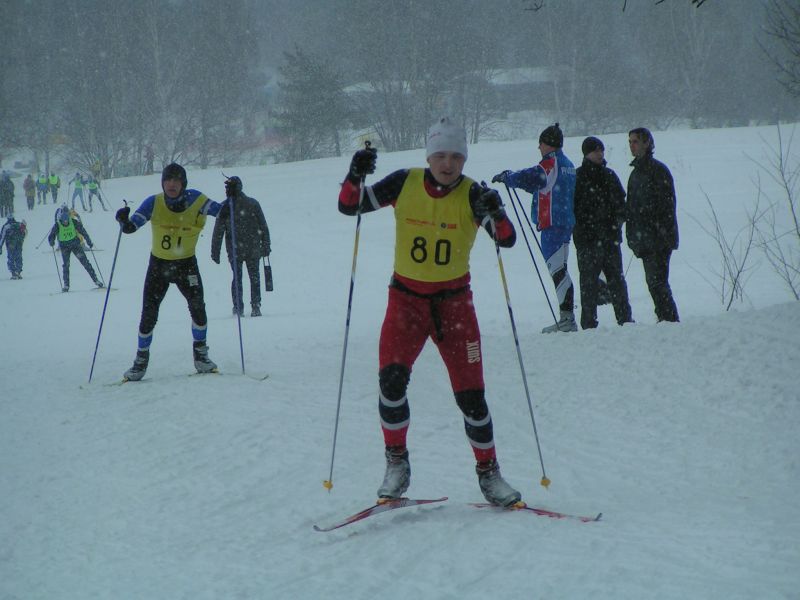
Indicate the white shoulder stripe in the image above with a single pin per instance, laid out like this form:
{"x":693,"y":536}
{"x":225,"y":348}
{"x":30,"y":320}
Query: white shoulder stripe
{"x":372,"y":199}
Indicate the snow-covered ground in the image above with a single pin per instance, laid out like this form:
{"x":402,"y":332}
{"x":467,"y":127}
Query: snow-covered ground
{"x":684,"y":435}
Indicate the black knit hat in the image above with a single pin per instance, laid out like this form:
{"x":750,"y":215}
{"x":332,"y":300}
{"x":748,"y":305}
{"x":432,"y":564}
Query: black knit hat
{"x":174,"y":171}
{"x":552,"y":136}
{"x":590,"y":144}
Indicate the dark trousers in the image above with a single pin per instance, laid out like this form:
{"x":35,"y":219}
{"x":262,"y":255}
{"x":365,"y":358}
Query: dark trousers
{"x":605,"y":257}
{"x":656,"y":274}
{"x":160,"y":274}
{"x":14,"y":259}
{"x":253,"y":273}
{"x":75,"y":248}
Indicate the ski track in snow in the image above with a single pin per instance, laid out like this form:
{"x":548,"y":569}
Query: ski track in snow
{"x":683,"y":435}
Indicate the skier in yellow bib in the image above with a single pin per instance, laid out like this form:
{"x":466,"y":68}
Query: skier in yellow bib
{"x":438,"y":212}
{"x":176,"y":216}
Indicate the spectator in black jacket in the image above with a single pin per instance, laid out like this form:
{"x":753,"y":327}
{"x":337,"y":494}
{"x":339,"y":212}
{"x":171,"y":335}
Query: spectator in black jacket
{"x":599,"y":214}
{"x":252,"y":242}
{"x":652,"y":229}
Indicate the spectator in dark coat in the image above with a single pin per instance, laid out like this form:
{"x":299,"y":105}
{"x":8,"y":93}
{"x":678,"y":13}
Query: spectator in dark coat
{"x":599,"y":214}
{"x":652,"y":229}
{"x":252,"y":242}
{"x":6,"y":195}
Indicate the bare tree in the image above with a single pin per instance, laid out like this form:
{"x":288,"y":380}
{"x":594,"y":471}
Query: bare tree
{"x":783,"y":24}
{"x":734,"y":253}
{"x":777,"y":238}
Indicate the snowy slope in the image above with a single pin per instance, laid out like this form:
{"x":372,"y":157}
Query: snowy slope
{"x":683,"y":435}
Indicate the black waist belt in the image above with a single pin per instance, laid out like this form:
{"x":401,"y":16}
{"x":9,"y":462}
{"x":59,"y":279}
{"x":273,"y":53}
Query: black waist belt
{"x":433,"y":299}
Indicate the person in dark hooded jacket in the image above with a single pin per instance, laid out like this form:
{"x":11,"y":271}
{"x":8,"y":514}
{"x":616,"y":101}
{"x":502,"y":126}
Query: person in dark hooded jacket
{"x":599,"y":214}
{"x":252,"y":243}
{"x":652,"y":224}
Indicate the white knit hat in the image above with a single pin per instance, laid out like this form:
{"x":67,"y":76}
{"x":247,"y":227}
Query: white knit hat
{"x":446,"y":136}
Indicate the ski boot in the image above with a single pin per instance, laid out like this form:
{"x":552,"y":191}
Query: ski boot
{"x":494,"y":487}
{"x":256,"y":310}
{"x":201,"y":361}
{"x":565,"y":323}
{"x":398,"y":474}
{"x":137,"y":371}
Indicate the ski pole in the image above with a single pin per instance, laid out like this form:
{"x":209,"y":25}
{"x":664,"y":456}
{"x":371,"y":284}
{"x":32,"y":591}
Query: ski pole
{"x":530,"y":251}
{"x":55,"y":260}
{"x":544,"y":481}
{"x":43,"y":239}
{"x":236,"y":281}
{"x":328,"y":483}
{"x":99,"y":272}
{"x":630,"y":260}
{"x":105,"y":304}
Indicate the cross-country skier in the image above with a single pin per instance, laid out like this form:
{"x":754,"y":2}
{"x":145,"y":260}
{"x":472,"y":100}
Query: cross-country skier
{"x":68,"y":230}
{"x":552,"y":183}
{"x":13,"y":234}
{"x":438,"y":212}
{"x":177,"y":216}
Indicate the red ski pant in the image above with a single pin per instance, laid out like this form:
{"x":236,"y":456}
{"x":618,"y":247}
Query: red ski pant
{"x":451,"y":323}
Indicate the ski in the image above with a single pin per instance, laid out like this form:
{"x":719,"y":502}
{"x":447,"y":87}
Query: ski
{"x":198,"y":373}
{"x":543,"y":512}
{"x":94,"y":289}
{"x":123,"y":381}
{"x":378,"y":507}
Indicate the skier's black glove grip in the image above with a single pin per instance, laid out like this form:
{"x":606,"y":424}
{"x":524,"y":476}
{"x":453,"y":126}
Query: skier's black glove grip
{"x":489,"y":203}
{"x":363,"y":163}
{"x":122,"y":217}
{"x":501,"y":177}
{"x":123,"y":214}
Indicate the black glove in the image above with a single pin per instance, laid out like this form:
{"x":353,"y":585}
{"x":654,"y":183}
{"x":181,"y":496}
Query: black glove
{"x":90,"y":244}
{"x":489,"y":203}
{"x":52,"y":243}
{"x":123,"y":214}
{"x":267,"y":251}
{"x":501,"y":177}
{"x":363,"y":163}
{"x":215,"y":258}
{"x":233,"y":187}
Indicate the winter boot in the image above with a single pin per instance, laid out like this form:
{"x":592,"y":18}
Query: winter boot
{"x":494,"y":487}
{"x":398,"y":474}
{"x":201,"y":361}
{"x":565,"y":323}
{"x":256,"y":310}
{"x":136,"y":372}
{"x":237,"y":311}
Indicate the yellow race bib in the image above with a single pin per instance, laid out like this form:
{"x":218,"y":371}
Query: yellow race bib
{"x":434,"y":236}
{"x":175,"y":234}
